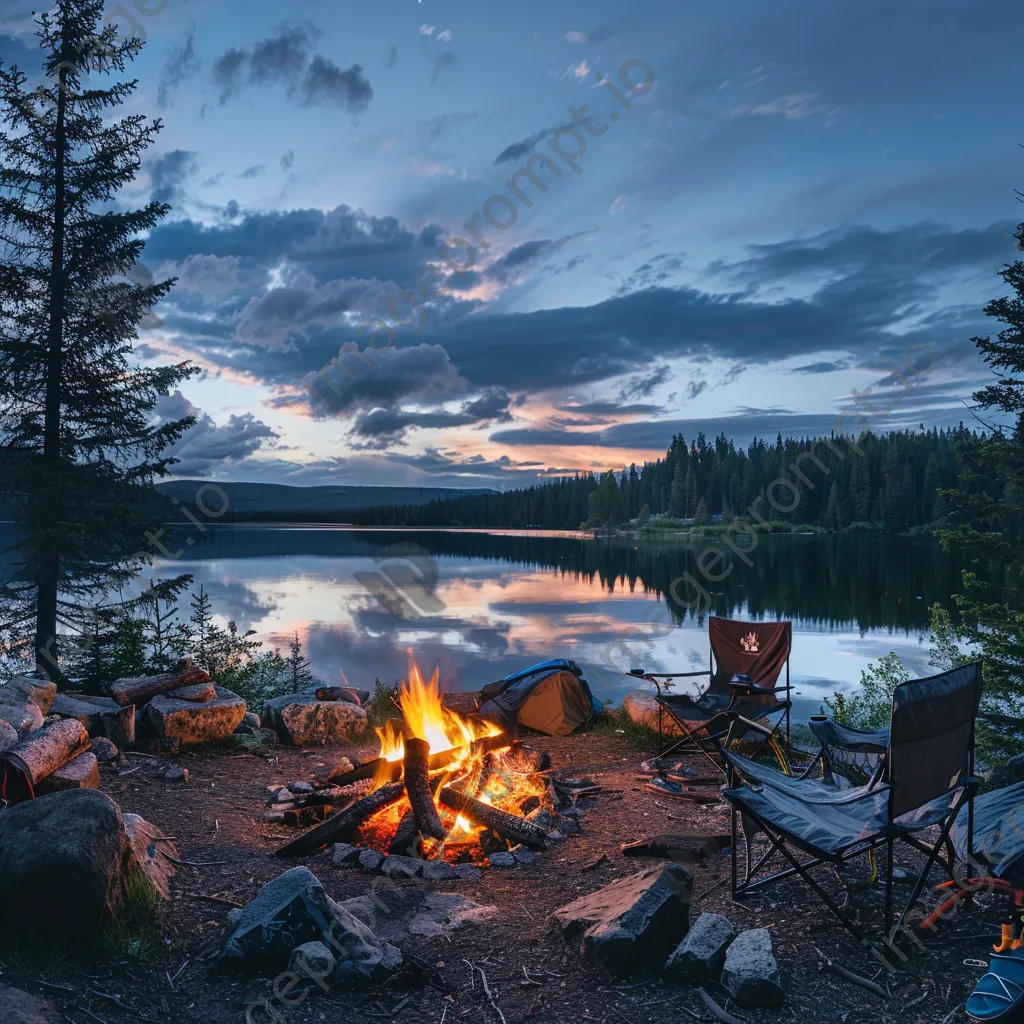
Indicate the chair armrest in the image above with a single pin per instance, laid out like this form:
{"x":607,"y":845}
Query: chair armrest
{"x":755,"y":688}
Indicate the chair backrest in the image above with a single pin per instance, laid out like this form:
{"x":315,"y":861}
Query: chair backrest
{"x":757,"y":649}
{"x":931,"y":738}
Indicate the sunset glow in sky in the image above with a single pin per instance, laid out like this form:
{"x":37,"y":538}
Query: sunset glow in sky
{"x":802,"y":192}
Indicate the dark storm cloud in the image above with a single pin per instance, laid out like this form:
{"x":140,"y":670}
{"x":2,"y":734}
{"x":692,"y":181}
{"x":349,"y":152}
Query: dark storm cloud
{"x":181,"y":64}
{"x":829,"y":366}
{"x":168,"y":174}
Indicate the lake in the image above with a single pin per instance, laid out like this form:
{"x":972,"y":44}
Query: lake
{"x":495,"y":602}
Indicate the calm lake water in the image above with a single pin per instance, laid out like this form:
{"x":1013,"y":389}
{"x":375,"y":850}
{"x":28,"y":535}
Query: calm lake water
{"x":504,"y":600}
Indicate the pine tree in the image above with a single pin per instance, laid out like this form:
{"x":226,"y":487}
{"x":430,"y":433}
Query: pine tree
{"x":75,"y":413}
{"x":677,"y":497}
{"x":298,"y":666}
{"x":833,"y":516}
{"x":701,"y":515}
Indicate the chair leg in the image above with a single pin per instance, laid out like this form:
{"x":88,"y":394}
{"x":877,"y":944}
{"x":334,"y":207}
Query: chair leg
{"x":732,"y":852}
{"x":888,"y":885}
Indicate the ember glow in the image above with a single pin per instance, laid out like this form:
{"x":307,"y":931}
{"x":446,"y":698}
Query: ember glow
{"x":427,"y":718}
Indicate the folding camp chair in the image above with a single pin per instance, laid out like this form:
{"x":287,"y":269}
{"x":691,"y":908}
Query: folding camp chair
{"x":926,"y":779}
{"x":746,"y":661}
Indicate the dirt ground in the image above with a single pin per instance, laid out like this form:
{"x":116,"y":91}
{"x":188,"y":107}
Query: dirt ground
{"x":217,"y":821}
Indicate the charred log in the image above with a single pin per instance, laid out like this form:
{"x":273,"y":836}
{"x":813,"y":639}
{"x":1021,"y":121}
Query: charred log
{"x":417,"y":785}
{"x":407,"y":841}
{"x":344,"y":822}
{"x":508,"y":826}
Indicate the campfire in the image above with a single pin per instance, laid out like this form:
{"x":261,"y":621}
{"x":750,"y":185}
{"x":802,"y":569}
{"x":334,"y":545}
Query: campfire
{"x":443,"y":787}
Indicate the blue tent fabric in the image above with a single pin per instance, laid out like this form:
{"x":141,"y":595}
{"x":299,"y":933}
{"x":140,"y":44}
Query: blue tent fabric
{"x":503,"y":702}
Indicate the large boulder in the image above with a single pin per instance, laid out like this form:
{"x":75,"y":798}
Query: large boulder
{"x":751,"y":974}
{"x":642,"y":708}
{"x":61,"y":862}
{"x":190,"y":722}
{"x":21,"y":714}
{"x":698,"y":958}
{"x":633,"y":922}
{"x":201,"y":693}
{"x":100,"y":716}
{"x":300,"y":720}
{"x":293,"y":910}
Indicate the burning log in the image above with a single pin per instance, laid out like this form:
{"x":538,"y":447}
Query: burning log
{"x":139,"y":689}
{"x":331,"y":830}
{"x":45,"y":750}
{"x":392,"y":770}
{"x":508,"y":826}
{"x":417,"y":785}
{"x":407,"y":841}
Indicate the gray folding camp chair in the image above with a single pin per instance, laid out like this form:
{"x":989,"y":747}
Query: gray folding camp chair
{"x":927,"y":777}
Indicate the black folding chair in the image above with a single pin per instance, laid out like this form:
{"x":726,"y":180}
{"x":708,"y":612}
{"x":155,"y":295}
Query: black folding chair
{"x":927,"y":777}
{"x":746,"y":660}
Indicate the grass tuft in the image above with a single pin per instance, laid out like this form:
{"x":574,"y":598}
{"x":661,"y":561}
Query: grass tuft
{"x":638,"y":736}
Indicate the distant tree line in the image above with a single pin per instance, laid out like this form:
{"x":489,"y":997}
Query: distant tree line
{"x":892,"y":482}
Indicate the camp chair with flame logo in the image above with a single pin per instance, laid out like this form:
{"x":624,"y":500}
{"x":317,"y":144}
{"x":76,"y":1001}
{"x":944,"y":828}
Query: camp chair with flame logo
{"x":746,"y":659}
{"x":926,"y":778}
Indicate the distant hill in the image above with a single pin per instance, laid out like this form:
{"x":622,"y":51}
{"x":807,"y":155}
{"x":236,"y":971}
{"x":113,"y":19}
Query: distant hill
{"x":262,"y":502}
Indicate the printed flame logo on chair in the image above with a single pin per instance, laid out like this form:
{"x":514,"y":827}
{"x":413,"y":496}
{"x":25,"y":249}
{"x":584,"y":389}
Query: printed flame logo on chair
{"x":750,"y":644}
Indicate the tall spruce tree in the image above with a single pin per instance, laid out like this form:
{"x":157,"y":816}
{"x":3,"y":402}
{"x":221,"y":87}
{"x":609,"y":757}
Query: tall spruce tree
{"x":987,"y":513}
{"x":77,"y":424}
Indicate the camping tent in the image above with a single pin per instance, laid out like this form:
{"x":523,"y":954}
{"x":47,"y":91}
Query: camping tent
{"x":552,"y":697}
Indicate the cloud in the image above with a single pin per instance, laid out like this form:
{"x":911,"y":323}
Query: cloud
{"x":325,"y":82}
{"x":286,"y":59}
{"x":206,"y":447}
{"x":445,"y":36}
{"x":392,"y":57}
{"x":595,"y":38}
{"x":387,"y":427}
{"x":426,"y":30}
{"x":793,"y":107}
{"x":645,"y":385}
{"x":287,"y":160}
{"x":422,"y":372}
{"x":443,"y":62}
{"x":212,"y":276}
{"x":168,"y":174}
{"x":619,"y":203}
{"x":254,"y":172}
{"x":517,"y":150}
{"x":181,"y":64}
{"x":830,"y":366}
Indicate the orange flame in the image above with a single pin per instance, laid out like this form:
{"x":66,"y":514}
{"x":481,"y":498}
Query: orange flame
{"x":428,"y":719}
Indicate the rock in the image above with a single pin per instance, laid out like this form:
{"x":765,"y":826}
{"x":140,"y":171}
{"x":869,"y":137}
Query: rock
{"x":370,"y":860}
{"x":300,"y":720}
{"x":438,"y":871}
{"x":633,"y":922}
{"x":698,"y":958}
{"x":501,"y":860}
{"x":176,"y":774}
{"x":104,"y":750}
{"x":542,"y":817}
{"x":198,"y":693}
{"x":29,"y":688}
{"x":312,"y":960}
{"x":8,"y":736}
{"x":81,"y":772}
{"x":61,"y":860}
{"x":251,"y":718}
{"x":445,"y":912}
{"x":21,"y":714}
{"x":189,"y":722}
{"x":467,"y":872}
{"x":89,"y":713}
{"x":750,"y":973}
{"x":292,"y":910}
{"x":342,"y":766}
{"x":524,"y":856}
{"x":17,"y":1007}
{"x":569,"y":826}
{"x":345,"y":856}
{"x":143,"y":727}
{"x":642,"y":708}
{"x":302,"y":788}
{"x":397,"y":866}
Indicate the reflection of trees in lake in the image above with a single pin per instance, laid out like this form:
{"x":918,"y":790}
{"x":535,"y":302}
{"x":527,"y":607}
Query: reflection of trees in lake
{"x":868,"y":581}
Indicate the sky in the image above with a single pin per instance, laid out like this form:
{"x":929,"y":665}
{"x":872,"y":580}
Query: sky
{"x":772,"y":209}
